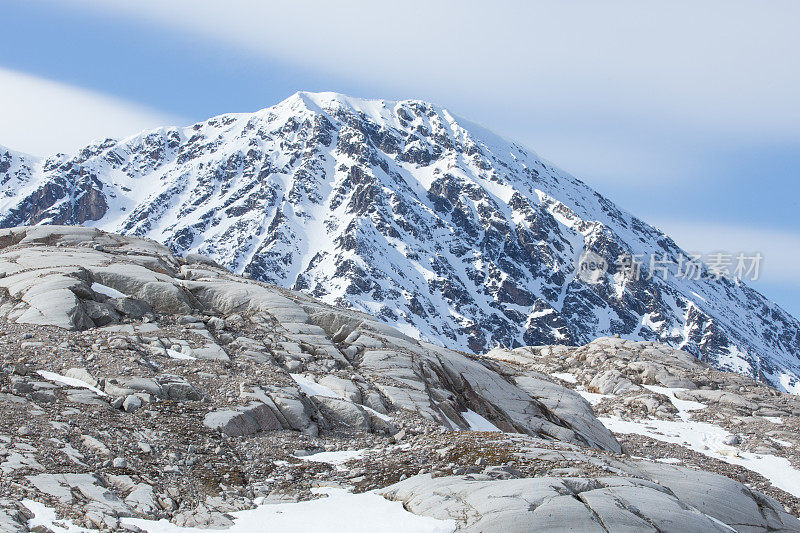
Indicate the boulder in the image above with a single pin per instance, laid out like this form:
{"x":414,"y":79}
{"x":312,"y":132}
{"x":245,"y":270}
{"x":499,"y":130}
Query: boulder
{"x":130,"y":307}
{"x":612,"y":382}
{"x":177,"y":388}
{"x":164,"y":297}
{"x":81,"y":374}
{"x":125,"y":386}
{"x":102,"y":314}
{"x":294,"y":411}
{"x":244,"y":420}
{"x":50,"y":299}
{"x":344,"y":412}
{"x":131,"y":403}
{"x":343,"y":387}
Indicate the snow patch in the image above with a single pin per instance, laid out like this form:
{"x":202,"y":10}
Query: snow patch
{"x":108,"y":291}
{"x":477,"y":422}
{"x":333,"y":458}
{"x":174,"y":354}
{"x":69,"y":382}
{"x":312,"y":388}
{"x":385,"y":418}
{"x":683,"y":406}
{"x":593,"y":398}
{"x":708,"y":439}
{"x":566,"y":376}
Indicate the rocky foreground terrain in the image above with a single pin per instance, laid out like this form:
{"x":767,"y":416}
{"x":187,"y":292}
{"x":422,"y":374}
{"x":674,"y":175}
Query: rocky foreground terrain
{"x":137,"y":386}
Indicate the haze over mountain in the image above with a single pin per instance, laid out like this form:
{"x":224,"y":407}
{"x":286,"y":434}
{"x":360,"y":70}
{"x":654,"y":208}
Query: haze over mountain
{"x":433,"y":224}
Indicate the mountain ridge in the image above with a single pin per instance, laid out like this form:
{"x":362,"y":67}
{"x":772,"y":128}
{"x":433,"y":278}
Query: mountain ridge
{"x":399,"y":208}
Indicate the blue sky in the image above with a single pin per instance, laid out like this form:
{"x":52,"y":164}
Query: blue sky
{"x":684,"y":113}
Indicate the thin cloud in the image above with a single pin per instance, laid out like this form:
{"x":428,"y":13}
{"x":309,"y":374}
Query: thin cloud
{"x":42,"y":117}
{"x":717,"y":67}
{"x":778,"y":247}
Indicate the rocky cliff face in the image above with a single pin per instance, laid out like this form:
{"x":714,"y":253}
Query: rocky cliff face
{"x":136,"y":386}
{"x":402,"y":210}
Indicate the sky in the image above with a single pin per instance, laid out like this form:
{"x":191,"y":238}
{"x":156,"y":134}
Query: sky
{"x":684,"y":113}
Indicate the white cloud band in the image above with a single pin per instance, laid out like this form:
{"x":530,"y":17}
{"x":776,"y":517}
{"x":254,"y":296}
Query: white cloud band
{"x":42,"y":117}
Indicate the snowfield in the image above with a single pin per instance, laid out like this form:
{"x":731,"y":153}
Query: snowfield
{"x":336,"y":511}
{"x":707,"y":439}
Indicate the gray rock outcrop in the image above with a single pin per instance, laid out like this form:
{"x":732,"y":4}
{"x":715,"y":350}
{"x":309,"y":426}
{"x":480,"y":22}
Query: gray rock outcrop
{"x":191,"y":403}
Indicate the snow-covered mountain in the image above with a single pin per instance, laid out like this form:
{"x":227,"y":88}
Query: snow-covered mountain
{"x":432,"y":223}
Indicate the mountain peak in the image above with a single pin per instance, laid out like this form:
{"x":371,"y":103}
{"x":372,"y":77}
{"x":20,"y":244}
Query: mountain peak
{"x":379,"y":111}
{"x":397,"y":208}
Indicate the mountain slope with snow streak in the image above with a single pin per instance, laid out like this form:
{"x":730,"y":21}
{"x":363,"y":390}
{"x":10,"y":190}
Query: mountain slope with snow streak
{"x":403,"y":210}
